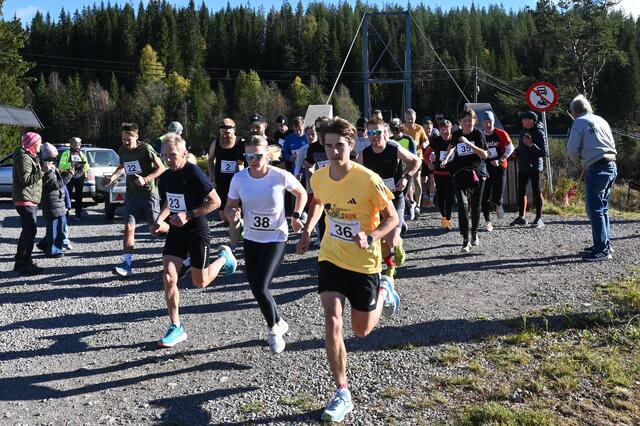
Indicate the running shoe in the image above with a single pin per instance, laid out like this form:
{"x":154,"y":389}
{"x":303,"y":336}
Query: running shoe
{"x":276,"y":337}
{"x":489,"y":227}
{"x":68,"y":247}
{"x":519,"y":221}
{"x":389,"y":272}
{"x":499,"y":212}
{"x":449,"y":225}
{"x":412,"y":211}
{"x":399,"y":255}
{"x":339,"y":407}
{"x":30,"y":269}
{"x":537,"y":223}
{"x":597,"y":257}
{"x":443,"y":222}
{"x":124,"y":270}
{"x":392,"y":299}
{"x":475,"y":241}
{"x":466,"y":247}
{"x":175,"y":334}
{"x":417,"y":212}
{"x":230,"y":262}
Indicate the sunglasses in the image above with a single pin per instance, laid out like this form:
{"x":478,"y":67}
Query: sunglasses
{"x":226,"y":127}
{"x":376,"y":132}
{"x":253,"y":156}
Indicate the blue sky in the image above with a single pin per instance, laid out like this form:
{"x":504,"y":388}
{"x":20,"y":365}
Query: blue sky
{"x":25,"y":9}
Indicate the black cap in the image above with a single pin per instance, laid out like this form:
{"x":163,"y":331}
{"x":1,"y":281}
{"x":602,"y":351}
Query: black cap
{"x":361,"y":123}
{"x":282,"y":119}
{"x":256,"y":117}
{"x":529,"y":114}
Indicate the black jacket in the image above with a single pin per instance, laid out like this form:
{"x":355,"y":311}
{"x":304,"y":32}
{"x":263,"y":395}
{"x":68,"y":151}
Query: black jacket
{"x":530,"y":158}
{"x":53,"y":198}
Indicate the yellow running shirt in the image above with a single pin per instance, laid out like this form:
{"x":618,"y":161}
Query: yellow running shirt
{"x":351,"y":205}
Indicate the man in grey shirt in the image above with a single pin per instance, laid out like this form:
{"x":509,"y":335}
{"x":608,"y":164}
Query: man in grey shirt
{"x":591,"y":144}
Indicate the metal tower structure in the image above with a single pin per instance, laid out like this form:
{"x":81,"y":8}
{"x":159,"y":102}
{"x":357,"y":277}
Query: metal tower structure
{"x":368,"y":70}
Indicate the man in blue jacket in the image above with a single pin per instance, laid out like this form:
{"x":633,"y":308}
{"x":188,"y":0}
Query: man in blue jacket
{"x":591,"y":144}
{"x":530,"y":153}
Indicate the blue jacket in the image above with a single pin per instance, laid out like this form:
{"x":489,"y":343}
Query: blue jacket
{"x":291,"y":143}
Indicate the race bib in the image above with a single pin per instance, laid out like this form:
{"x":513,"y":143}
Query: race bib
{"x":463,"y":149}
{"x":343,"y":230}
{"x":321,"y":164}
{"x":132,"y":167}
{"x":227,"y":166}
{"x":262,"y":221}
{"x":76,"y":158}
{"x":390,"y":183}
{"x":176,"y":202}
{"x":493,"y":152}
{"x":443,"y":155}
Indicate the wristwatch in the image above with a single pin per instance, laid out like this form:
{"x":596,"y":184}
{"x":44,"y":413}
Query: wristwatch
{"x":295,"y":215}
{"x":190,"y":214}
{"x":370,"y":239}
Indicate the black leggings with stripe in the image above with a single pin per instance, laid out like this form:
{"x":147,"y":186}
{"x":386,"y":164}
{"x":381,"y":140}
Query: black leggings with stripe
{"x":261,"y":263}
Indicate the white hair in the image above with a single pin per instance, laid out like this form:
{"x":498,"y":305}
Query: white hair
{"x":580,"y":105}
{"x":174,"y":139}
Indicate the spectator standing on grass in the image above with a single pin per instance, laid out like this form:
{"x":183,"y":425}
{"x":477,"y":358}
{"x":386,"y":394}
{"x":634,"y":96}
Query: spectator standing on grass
{"x":530,"y":153}
{"x":591,"y":144}
{"x":26,"y":194}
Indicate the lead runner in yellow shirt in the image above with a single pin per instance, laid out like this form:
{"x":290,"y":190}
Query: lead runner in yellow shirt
{"x":353,"y":198}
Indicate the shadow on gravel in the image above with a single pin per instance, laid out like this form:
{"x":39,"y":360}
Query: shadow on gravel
{"x":29,"y":388}
{"x":499,"y":264}
{"x":188,"y":409}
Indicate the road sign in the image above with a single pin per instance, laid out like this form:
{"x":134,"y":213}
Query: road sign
{"x":542,"y":96}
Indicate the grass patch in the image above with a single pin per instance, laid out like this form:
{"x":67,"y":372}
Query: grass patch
{"x":407,"y":346}
{"x":524,"y":338}
{"x":625,"y":293}
{"x":477,"y":368}
{"x":304,"y":402}
{"x":449,"y":355}
{"x":466,"y":382}
{"x":507,"y":357}
{"x":393,"y":393}
{"x":495,"y":414}
{"x":253,"y":407}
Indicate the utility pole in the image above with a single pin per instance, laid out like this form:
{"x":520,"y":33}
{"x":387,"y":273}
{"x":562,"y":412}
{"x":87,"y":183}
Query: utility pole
{"x":476,"y":88}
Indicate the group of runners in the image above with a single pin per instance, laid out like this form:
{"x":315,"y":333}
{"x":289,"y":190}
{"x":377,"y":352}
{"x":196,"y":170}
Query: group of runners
{"x":349,"y":184}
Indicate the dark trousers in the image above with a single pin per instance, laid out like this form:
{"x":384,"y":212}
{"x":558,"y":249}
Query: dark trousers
{"x":469,"y":202}
{"x":27,"y":235}
{"x":75,"y":186}
{"x":261,"y":263}
{"x":536,"y":189}
{"x":444,"y":194}
{"x":493,"y":188}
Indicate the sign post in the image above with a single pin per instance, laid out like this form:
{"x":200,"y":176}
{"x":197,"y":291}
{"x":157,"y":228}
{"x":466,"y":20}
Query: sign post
{"x":543,"y":97}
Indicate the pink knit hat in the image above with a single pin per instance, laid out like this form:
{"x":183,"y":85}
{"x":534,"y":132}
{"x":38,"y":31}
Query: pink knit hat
{"x":29,"y":139}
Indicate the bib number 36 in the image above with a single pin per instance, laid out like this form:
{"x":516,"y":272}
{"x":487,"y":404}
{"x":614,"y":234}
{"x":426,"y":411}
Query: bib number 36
{"x":344,"y":230}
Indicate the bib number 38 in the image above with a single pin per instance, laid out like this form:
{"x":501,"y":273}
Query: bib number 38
{"x":262,"y":221}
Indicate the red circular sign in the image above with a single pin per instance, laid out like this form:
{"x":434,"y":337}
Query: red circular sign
{"x":542,"y":96}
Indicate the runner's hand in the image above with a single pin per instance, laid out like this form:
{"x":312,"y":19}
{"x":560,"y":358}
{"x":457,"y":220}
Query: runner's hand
{"x":303,"y":244}
{"x":495,"y":163}
{"x":155,"y":228}
{"x":236,"y":214}
{"x":140,"y":181}
{"x":361,"y":240}
{"x":178,"y":219}
{"x":402,"y":184}
{"x":297,"y":225}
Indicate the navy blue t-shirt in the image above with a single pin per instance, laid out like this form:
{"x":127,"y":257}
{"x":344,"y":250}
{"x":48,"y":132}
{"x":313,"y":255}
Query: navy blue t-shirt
{"x":191,"y":183}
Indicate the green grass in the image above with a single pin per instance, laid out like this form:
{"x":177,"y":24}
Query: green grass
{"x":303,"y":402}
{"x":507,"y":357}
{"x":393,"y":393}
{"x":253,"y":407}
{"x":493,"y":413}
{"x":625,"y":293}
{"x":449,"y":355}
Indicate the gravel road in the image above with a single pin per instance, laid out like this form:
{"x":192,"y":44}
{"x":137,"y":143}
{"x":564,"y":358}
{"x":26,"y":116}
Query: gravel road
{"x":78,"y":346}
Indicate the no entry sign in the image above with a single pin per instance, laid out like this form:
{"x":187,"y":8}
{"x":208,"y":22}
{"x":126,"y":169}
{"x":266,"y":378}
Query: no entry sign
{"x":542,"y":96}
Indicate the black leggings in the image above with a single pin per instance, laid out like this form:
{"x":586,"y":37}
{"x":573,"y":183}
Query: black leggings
{"x":493,"y":189}
{"x":75,"y":186}
{"x":261,"y":263}
{"x":444,"y":194}
{"x":536,"y":189}
{"x":472,"y":196}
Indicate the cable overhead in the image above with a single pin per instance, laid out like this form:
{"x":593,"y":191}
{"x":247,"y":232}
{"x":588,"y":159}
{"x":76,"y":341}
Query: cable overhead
{"x":345,"y":59}
{"x":438,"y":57}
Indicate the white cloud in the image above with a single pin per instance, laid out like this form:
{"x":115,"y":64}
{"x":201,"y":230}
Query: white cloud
{"x":25,"y":14}
{"x":630,"y":6}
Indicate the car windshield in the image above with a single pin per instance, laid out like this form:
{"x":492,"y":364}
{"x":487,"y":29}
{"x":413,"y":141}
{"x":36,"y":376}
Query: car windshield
{"x":100,"y":158}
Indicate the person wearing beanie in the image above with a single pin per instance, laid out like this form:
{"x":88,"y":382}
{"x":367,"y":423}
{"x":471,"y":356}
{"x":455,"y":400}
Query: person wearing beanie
{"x":26,"y":194}
{"x":53,"y":203}
{"x":530,"y":153}
{"x":74,"y":163}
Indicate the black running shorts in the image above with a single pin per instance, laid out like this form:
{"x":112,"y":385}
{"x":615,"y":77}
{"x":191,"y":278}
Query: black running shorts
{"x":360,"y":289}
{"x":194,"y":243}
